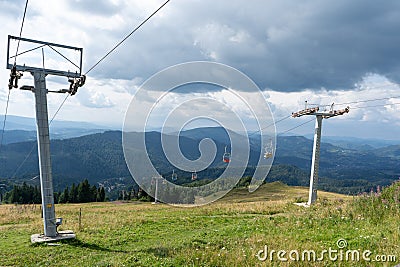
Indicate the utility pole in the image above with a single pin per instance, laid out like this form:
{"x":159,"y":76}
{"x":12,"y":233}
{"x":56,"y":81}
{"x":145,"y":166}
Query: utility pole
{"x":312,"y":194}
{"x":39,"y":89}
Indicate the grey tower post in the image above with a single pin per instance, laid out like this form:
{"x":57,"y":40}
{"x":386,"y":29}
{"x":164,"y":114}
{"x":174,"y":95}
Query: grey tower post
{"x":156,"y":180}
{"x":312,"y":194}
{"x":156,"y":193}
{"x":43,"y":138}
{"x":312,"y":197}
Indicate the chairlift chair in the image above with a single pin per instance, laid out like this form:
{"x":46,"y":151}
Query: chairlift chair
{"x":269,"y":151}
{"x":174,"y":176}
{"x":194,"y":176}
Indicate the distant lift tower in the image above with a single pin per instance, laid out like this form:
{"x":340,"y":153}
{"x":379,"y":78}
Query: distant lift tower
{"x":39,"y":74}
{"x":312,"y":197}
{"x":155,"y":180}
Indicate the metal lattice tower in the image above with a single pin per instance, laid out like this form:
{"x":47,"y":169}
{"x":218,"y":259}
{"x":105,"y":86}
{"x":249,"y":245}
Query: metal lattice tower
{"x":312,"y":195}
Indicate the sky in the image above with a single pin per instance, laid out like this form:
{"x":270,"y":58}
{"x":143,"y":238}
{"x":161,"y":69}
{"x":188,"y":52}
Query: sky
{"x":321,"y":51}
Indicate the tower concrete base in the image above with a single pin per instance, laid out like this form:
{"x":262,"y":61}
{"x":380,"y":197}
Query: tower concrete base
{"x":62,"y":235}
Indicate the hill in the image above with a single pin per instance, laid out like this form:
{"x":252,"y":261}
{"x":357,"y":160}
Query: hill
{"x":21,"y":129}
{"x":99,"y":158}
{"x":230,"y":232}
{"x":275,"y":191}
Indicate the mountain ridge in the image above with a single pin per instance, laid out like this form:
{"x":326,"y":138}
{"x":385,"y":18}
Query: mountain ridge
{"x":99,"y":157}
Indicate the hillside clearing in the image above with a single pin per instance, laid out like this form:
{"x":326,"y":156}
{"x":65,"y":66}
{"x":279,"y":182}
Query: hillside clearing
{"x":229,"y":232}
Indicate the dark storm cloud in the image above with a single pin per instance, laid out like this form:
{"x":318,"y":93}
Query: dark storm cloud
{"x":282,"y":45}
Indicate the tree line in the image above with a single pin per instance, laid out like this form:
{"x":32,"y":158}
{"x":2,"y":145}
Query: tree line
{"x":81,"y":193}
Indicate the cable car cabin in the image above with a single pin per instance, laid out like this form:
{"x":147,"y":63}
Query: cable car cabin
{"x":226,"y":157}
{"x":194,"y":176}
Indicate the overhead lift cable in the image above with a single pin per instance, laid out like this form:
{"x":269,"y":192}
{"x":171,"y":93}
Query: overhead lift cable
{"x":109,"y":52}
{"x":20,"y":31}
{"x":34,"y":145}
{"x":94,"y":66}
{"x":269,"y":125}
{"x":51,"y":120}
{"x":291,"y":129}
{"x":15,"y":61}
{"x":368,"y":100}
{"x":5,"y":119}
{"x":375,"y":106}
{"x":126,"y":37}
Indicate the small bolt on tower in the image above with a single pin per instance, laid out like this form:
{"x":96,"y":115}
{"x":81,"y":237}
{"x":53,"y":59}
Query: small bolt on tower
{"x":76,"y":80}
{"x":312,"y":197}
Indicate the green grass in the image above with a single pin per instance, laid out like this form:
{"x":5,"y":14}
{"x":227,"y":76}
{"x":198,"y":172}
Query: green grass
{"x":228,"y":232}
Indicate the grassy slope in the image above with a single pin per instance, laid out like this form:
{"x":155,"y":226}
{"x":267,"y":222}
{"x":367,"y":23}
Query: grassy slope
{"x":226,"y":233}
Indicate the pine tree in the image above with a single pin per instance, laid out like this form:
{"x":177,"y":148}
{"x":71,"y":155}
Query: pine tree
{"x":64,"y":197}
{"x":93,"y":194}
{"x":102,"y":195}
{"x":83,"y":192}
{"x":37,"y":197}
{"x":73,"y":196}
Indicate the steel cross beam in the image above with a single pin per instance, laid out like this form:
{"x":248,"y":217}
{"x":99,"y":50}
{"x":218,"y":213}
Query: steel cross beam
{"x":36,"y":69}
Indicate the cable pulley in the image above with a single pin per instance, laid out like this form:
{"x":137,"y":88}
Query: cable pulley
{"x":75,"y":83}
{"x":14,"y":77}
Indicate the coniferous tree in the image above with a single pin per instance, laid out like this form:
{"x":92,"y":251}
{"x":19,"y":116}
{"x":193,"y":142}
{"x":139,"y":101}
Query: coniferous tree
{"x":73,"y":195}
{"x":102,"y":194}
{"x":93,"y":194}
{"x":26,"y":194}
{"x":64,"y":197}
{"x":83,"y":192}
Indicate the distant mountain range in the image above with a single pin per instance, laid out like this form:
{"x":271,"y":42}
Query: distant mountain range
{"x":357,"y":143}
{"x":20,"y":129}
{"x":99,"y":157}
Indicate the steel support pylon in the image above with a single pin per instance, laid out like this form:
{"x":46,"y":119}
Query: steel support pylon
{"x":312,"y":197}
{"x":43,"y":138}
{"x":156,"y":193}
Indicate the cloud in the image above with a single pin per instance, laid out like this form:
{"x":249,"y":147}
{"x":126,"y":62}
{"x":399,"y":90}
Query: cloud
{"x":323,"y":51}
{"x":101,"y":7}
{"x":285,"y":46}
{"x":282,"y":45}
{"x":94,"y":99}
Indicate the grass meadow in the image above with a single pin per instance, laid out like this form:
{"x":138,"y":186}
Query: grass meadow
{"x":229,"y":232}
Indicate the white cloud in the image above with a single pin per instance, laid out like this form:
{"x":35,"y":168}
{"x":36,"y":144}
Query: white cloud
{"x":313,"y":51}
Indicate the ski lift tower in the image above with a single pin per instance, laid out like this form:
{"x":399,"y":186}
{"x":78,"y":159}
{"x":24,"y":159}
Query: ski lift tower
{"x":155,"y":181}
{"x":39,"y":73}
{"x":312,"y":196}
